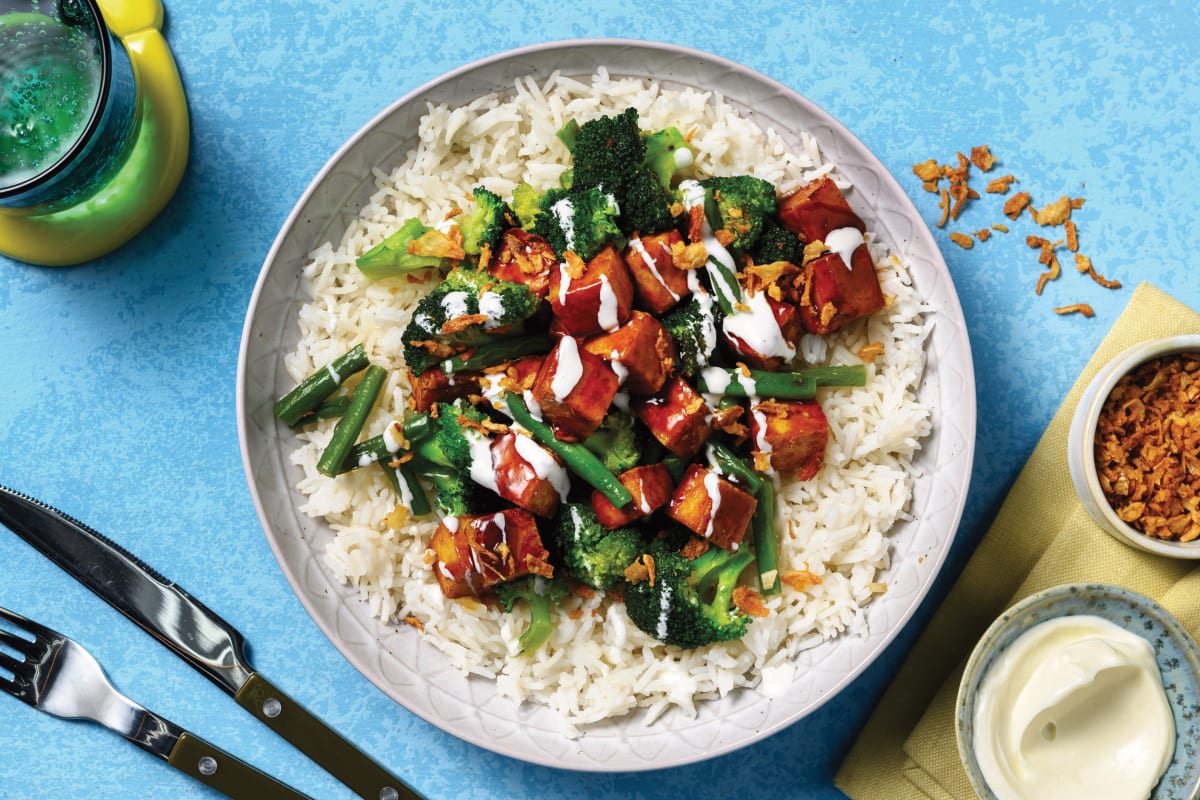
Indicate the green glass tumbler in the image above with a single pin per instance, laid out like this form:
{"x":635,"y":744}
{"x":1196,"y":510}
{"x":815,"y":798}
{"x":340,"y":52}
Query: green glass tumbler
{"x":69,"y":106}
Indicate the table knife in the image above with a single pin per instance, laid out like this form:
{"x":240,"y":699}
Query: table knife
{"x":194,"y":633}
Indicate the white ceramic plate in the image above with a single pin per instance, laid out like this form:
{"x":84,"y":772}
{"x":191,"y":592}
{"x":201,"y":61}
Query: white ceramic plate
{"x":394,"y":658}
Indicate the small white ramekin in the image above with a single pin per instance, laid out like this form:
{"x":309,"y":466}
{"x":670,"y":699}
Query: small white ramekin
{"x":1081,"y":445}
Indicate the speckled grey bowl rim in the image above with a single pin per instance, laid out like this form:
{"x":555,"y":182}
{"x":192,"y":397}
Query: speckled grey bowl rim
{"x":1175,"y":650}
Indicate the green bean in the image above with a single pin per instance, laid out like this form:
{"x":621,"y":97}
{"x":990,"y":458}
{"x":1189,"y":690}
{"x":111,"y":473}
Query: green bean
{"x":792,"y":385}
{"x":419,"y":503}
{"x":314,"y":389}
{"x":496,"y":351}
{"x":579,"y":459}
{"x":766,"y":539}
{"x":351,"y":424}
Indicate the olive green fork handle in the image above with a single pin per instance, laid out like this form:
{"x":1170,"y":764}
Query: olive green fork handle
{"x":227,"y":774}
{"x":319,"y":742}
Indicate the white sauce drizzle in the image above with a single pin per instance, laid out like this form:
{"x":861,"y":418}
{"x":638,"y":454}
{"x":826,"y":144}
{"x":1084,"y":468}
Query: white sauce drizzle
{"x":564,"y":212}
{"x":844,"y":241}
{"x":758,"y":328}
{"x":455,"y":304}
{"x":712,"y":486}
{"x":545,"y":466}
{"x":606,"y":315}
{"x":693,"y":196}
{"x":614,"y":363}
{"x":564,"y":280}
{"x":716,"y":379}
{"x":531,"y":403}
{"x":708,"y":327}
{"x":491,"y":305}
{"x":569,"y":370}
{"x":664,"y":609}
{"x":760,"y":440}
{"x":502,"y":523}
{"x":483,"y":470}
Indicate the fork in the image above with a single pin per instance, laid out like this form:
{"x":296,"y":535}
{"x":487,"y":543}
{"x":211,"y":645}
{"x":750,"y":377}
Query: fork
{"x":58,"y":676}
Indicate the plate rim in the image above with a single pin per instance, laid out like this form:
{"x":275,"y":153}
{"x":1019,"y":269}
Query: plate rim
{"x":924,"y":243}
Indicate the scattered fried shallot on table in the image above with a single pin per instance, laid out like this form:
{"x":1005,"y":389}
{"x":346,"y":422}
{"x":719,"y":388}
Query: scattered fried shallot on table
{"x":1057,"y":213}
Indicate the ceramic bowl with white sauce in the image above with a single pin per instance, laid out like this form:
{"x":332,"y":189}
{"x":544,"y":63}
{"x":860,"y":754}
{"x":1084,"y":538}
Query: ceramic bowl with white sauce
{"x":1082,"y":690}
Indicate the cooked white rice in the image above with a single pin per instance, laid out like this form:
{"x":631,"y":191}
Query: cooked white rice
{"x":598,"y":664}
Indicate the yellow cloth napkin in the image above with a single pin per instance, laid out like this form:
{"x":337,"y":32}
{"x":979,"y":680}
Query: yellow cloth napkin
{"x":1041,"y":537}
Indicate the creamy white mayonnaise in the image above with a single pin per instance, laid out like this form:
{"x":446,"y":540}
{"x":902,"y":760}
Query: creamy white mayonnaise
{"x":1074,"y":709}
{"x":569,"y":370}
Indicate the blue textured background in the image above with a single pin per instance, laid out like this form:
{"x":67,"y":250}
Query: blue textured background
{"x":117,"y":377}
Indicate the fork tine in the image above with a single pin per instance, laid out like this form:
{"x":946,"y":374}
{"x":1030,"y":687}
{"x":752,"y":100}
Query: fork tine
{"x":28,"y":624}
{"x":9,"y":663}
{"x":18,"y":643}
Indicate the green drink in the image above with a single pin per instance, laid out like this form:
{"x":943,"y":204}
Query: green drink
{"x":68,"y":103}
{"x":50,"y":76}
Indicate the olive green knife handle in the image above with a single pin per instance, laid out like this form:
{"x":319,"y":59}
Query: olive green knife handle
{"x":319,"y":742}
{"x":231,"y":777}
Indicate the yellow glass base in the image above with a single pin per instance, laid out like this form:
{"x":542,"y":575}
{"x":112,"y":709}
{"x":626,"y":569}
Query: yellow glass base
{"x":141,"y":189}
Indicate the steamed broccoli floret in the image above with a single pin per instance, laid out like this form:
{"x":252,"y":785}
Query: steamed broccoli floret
{"x":777,"y":243}
{"x":645,"y":205}
{"x":615,"y":442}
{"x":590,"y":552}
{"x":607,"y":152}
{"x":568,"y":133}
{"x":445,"y":439}
{"x":483,"y":225}
{"x":667,"y":152}
{"x":580,"y":220}
{"x":693,"y":325}
{"x":541,"y":595}
{"x":739,"y":204}
{"x":391,"y":257}
{"x":690,"y":602}
{"x":526,"y":204}
{"x":441,"y":447}
{"x":454,"y":494}
{"x":494,"y":305}
{"x":614,"y":156}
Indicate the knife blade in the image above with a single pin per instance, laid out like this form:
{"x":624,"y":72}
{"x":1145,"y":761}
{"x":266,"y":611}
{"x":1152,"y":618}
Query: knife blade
{"x":193,"y":632}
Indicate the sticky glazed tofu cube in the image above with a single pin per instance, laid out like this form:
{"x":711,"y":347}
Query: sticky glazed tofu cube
{"x":678,"y":417}
{"x":641,"y":349}
{"x":593,"y":297}
{"x":649,"y":484}
{"x":789,"y":436}
{"x":526,"y":473}
{"x":474,"y":553}
{"x":525,"y":258}
{"x":712,"y":507}
{"x":812,"y":211}
{"x":658,"y":283}
{"x":835,"y":294}
{"x":452,"y":561}
{"x":435,"y":386}
{"x":574,"y":389}
{"x":785,"y":317}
